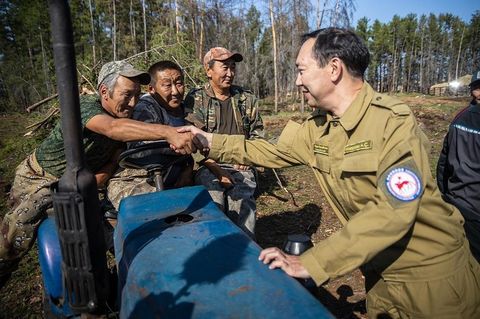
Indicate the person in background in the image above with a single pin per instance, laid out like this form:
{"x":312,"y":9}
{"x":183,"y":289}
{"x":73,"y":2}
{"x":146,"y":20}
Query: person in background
{"x":163,"y":104}
{"x":221,"y":107}
{"x":106,"y":126}
{"x":458,"y":168}
{"x":370,"y":158}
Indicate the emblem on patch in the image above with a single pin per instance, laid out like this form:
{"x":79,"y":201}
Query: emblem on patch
{"x":403,"y":184}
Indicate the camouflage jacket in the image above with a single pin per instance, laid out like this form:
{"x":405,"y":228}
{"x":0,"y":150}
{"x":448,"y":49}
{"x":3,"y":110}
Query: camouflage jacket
{"x":203,"y":110}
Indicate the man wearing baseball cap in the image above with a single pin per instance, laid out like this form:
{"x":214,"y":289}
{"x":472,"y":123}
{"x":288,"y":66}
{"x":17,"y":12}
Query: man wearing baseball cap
{"x":106,"y":126}
{"x":458,"y":169}
{"x":221,"y":107}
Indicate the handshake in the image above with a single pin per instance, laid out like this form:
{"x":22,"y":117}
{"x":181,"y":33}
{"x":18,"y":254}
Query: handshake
{"x":190,"y":139}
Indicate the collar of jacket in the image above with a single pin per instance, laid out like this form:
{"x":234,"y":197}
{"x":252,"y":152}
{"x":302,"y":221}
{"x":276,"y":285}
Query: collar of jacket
{"x":354,"y":112}
{"x":234,"y":90}
{"x":475,"y":108}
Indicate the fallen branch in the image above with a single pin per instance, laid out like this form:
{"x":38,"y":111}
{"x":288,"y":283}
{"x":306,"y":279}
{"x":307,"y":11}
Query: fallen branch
{"x":87,"y":80}
{"x":34,"y":106}
{"x":279,"y":182}
{"x":184,"y":71}
{"x":54,"y":110}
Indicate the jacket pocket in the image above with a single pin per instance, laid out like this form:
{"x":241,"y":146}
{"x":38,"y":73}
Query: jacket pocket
{"x":321,"y":162}
{"x":360,"y":162}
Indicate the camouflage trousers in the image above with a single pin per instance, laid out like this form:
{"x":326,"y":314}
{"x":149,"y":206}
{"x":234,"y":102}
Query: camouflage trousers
{"x":126,"y":182}
{"x":238,"y":203}
{"x":31,"y":197}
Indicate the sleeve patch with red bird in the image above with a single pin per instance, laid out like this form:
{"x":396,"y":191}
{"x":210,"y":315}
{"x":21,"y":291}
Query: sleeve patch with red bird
{"x":403,"y":183}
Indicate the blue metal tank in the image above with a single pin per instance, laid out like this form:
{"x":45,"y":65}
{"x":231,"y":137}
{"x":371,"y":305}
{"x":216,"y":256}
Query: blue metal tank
{"x":179,"y":256}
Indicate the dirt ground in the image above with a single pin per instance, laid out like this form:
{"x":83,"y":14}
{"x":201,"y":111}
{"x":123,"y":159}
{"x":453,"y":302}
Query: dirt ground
{"x":302,"y":209}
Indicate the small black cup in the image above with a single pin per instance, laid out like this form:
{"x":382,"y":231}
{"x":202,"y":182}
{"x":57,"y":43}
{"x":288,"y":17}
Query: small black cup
{"x":296,"y":244}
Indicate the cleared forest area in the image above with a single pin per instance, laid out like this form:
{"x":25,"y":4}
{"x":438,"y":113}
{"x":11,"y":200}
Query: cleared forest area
{"x":304,"y":210}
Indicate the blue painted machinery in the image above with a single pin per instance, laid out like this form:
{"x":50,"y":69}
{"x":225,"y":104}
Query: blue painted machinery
{"x":178,"y":256}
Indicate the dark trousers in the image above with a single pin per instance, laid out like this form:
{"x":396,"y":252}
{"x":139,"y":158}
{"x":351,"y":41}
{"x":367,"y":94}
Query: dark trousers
{"x":472,"y":230}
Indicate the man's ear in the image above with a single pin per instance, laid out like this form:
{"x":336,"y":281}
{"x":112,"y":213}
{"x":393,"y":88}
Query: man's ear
{"x":151,"y":89}
{"x":336,"y":69}
{"x":104,"y":92}
{"x":208,"y":72}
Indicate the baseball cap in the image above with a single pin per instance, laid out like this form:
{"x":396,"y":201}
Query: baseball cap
{"x":475,"y":79}
{"x":221,"y":54}
{"x":122,"y":68}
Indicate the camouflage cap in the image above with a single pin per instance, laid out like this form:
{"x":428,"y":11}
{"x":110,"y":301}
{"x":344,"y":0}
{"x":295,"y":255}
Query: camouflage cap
{"x":220,"y":54}
{"x":475,"y":82}
{"x":122,"y":68}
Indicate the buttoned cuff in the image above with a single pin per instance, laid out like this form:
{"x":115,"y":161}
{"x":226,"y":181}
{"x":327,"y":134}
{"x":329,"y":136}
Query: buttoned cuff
{"x":313,"y":267}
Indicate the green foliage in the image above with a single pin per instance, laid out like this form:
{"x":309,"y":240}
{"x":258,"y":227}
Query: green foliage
{"x":408,"y":53}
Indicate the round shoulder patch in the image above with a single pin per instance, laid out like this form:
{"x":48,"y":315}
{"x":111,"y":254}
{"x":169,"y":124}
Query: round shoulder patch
{"x":403,"y":184}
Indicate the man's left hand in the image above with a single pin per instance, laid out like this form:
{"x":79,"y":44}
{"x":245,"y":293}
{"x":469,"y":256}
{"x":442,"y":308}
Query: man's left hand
{"x":288,"y":263}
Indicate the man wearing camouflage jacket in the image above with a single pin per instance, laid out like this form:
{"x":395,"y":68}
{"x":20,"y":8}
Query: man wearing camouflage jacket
{"x":106,"y":123}
{"x":220,"y":107}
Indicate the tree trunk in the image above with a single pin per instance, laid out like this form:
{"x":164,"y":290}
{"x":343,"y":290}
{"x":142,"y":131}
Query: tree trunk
{"x":458,"y":55}
{"x":114,"y":33}
{"x":420,"y":69}
{"x":275,"y":78}
{"x":335,"y":13}
{"x":320,"y":16}
{"x":177,"y":22}
{"x":44,"y":66}
{"x":202,"y":31}
{"x":92,"y":24}
{"x":145,"y":46}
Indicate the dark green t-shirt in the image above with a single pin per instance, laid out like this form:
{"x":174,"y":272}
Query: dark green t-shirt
{"x":227,"y":123}
{"x":98,"y":148}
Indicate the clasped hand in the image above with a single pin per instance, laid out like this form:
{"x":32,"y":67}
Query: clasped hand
{"x":199,"y":140}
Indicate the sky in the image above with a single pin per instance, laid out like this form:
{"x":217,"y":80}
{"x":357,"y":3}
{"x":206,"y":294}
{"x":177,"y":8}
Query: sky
{"x":384,"y":10}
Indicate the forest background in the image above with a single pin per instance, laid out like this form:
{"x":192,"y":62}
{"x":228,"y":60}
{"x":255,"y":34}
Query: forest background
{"x":409,"y":54}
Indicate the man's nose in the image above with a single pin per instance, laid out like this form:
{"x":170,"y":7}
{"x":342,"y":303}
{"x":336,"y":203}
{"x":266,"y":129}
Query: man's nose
{"x":298,"y":81}
{"x":174,"y":89}
{"x":133,"y":101}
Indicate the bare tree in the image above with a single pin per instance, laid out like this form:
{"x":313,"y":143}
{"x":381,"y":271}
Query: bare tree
{"x":114,"y":32}
{"x":274,"y":49}
{"x":459,"y":51}
{"x":320,"y":15}
{"x":92,"y":24}
{"x":145,"y":47}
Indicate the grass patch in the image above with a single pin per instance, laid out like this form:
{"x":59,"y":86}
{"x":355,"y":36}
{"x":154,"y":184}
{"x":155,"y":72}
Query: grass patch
{"x":15,"y":147}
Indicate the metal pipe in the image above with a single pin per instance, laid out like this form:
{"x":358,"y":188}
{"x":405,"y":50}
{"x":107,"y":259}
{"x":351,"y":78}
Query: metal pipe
{"x":76,"y":196}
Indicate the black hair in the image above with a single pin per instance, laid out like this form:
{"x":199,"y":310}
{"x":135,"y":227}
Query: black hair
{"x":343,"y":44}
{"x":162,"y":66}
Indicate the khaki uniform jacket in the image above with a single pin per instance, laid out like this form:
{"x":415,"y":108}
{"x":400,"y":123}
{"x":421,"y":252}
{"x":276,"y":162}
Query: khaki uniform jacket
{"x":373,"y":167}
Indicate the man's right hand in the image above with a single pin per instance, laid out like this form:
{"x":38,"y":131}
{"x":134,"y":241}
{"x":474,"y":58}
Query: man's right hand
{"x":181,"y":142}
{"x":201,"y":139}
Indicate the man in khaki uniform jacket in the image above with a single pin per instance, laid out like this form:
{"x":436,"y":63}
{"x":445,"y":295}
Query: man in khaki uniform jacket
{"x":370,"y":159}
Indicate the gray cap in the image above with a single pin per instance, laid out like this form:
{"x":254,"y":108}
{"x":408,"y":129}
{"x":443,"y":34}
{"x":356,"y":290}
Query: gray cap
{"x":122,"y":68}
{"x":475,"y":79}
